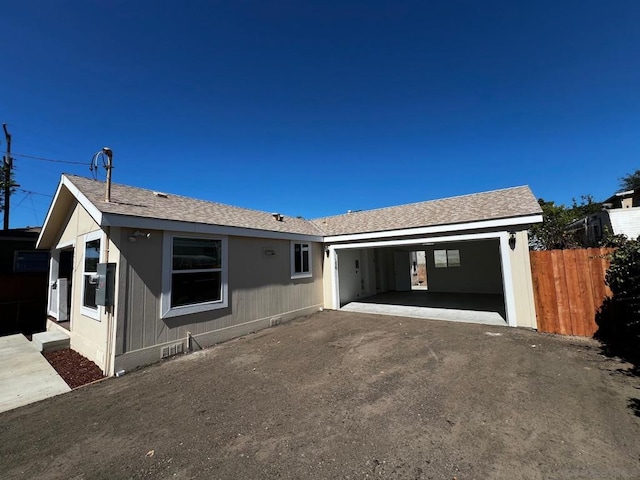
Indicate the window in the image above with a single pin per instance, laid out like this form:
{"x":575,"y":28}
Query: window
{"x":300,"y":260}
{"x":90,"y":274}
{"x":194,"y":277}
{"x":446,"y":258}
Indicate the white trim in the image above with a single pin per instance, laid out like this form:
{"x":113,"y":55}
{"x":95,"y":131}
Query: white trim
{"x":419,"y":241}
{"x":67,"y":244}
{"x":506,"y":222}
{"x":91,"y":209}
{"x":96,"y":235}
{"x":46,"y":220}
{"x":294,"y":274}
{"x":335,"y":278}
{"x":503,"y":237}
{"x":507,"y":280}
{"x":166,"y":311}
{"x":115,"y":220}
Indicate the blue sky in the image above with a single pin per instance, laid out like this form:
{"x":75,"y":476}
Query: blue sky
{"x":315,"y":107}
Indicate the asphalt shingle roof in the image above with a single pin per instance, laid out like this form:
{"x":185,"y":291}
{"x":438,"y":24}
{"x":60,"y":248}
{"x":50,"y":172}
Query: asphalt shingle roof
{"x":498,"y":204}
{"x":139,"y":202}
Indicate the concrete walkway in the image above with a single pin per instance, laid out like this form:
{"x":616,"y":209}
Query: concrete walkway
{"x":25,"y":375}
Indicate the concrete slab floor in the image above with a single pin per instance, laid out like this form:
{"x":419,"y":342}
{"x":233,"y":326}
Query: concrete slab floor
{"x":452,"y":307}
{"x":25,"y":375}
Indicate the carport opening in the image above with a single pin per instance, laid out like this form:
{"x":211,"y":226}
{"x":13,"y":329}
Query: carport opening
{"x":451,"y":281}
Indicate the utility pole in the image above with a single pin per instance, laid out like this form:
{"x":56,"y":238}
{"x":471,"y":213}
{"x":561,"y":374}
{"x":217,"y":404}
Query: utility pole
{"x":8,"y":166}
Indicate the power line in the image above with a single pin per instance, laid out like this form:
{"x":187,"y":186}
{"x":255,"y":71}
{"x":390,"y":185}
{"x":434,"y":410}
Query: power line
{"x":33,"y":193}
{"x":32,"y":157}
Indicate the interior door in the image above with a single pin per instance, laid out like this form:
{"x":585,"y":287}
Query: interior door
{"x":350,"y":275}
{"x":402,"y":271}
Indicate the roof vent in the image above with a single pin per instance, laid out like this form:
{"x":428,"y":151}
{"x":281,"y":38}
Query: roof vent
{"x":277,"y":216}
{"x":161,"y":194}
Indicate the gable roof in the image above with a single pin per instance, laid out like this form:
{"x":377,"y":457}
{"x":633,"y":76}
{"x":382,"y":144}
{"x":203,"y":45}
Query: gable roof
{"x":494,"y":205}
{"x":143,"y":203}
{"x":133,"y":207}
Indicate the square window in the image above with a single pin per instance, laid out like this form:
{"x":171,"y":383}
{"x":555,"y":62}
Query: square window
{"x":194,"y":275}
{"x":446,"y":258}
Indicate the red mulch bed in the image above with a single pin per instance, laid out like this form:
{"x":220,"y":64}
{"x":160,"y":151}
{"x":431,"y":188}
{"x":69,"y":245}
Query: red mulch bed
{"x":74,"y":369}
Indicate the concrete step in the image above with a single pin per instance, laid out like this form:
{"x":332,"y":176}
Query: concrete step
{"x":50,"y":341}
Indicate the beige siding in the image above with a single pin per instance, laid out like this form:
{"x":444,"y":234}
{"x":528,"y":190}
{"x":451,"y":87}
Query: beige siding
{"x":522,"y":282}
{"x":88,"y":335}
{"x":260,"y":289}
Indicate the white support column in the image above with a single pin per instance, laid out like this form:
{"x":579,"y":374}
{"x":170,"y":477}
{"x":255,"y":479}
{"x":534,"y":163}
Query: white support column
{"x":507,"y":279}
{"x":335,"y":281}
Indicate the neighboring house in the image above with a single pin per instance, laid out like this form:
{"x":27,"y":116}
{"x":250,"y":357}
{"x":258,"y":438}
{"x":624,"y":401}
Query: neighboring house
{"x":23,"y":277}
{"x":620,"y":216}
{"x":187,"y":273}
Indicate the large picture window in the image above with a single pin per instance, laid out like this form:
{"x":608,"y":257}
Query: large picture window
{"x":300,"y":259}
{"x":195,"y":277}
{"x":91,"y":259}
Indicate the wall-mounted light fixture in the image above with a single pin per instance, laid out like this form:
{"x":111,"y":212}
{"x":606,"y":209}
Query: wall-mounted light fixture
{"x":138,"y":234}
{"x":326,"y":251}
{"x":512,"y":240}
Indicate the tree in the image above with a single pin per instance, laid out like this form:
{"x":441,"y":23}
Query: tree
{"x":630,"y":181}
{"x":552,"y":233}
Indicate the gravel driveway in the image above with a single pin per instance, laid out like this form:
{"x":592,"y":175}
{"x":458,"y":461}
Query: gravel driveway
{"x":345,"y":396}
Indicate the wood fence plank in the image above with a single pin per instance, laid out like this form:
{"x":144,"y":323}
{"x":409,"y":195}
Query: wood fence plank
{"x":569,"y":288}
{"x":585,"y":280}
{"x":544,"y":290}
{"x":562,"y":295}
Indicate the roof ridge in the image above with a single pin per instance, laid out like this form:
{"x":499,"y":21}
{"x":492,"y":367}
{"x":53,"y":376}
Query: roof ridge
{"x":418,"y":203}
{"x":177,"y":195}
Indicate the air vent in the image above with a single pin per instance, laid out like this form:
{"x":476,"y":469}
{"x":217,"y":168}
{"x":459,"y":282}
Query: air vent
{"x":161,"y":194}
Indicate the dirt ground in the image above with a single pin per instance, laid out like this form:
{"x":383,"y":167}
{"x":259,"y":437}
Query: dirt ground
{"x":345,"y":396}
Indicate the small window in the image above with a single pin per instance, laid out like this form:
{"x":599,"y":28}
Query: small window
{"x":194,"y":277}
{"x":300,"y":260}
{"x":446,"y":258}
{"x":30,"y":261}
{"x":90,"y":274}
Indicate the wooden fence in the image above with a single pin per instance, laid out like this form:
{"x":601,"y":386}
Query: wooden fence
{"x":569,"y":289}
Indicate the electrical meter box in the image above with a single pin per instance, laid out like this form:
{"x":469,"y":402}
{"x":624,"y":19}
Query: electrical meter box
{"x":106,"y":284}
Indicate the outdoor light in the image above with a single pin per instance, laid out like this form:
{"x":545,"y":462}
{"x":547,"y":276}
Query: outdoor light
{"x":512,"y":240}
{"x":326,"y":252}
{"x":137,"y":234}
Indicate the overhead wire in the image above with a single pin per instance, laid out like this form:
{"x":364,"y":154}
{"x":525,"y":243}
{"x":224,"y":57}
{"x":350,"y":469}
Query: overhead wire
{"x":44,"y":159}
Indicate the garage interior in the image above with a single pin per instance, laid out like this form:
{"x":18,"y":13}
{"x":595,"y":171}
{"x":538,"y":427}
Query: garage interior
{"x":455,"y":281}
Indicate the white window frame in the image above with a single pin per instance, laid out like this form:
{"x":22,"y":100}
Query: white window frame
{"x":166,"y":310}
{"x":309,"y":246}
{"x":89,"y":237}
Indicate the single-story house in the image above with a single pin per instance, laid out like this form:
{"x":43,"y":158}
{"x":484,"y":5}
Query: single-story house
{"x":147,"y":274}
{"x":620,"y":216}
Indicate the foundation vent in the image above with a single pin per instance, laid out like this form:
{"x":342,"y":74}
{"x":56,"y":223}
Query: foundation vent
{"x":171,"y":350}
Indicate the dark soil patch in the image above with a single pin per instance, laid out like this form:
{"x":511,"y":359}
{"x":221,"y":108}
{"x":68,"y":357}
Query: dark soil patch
{"x":74,"y":369}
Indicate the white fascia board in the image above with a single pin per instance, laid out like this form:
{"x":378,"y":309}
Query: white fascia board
{"x":505,"y":223}
{"x":91,"y":209}
{"x":124,"y":221}
{"x":419,"y":241}
{"x":46,"y":220}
